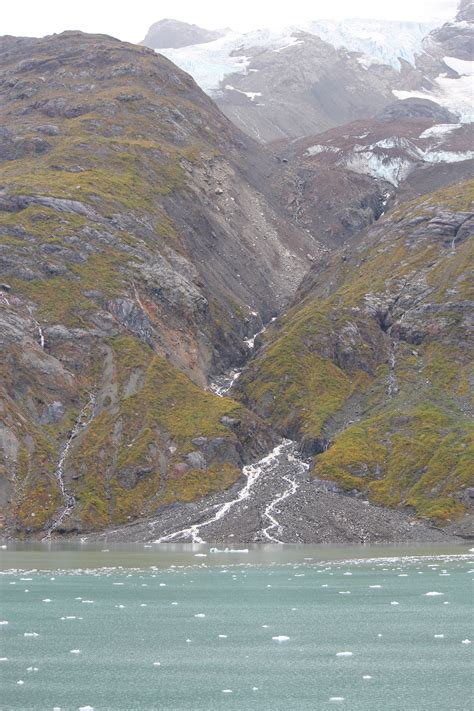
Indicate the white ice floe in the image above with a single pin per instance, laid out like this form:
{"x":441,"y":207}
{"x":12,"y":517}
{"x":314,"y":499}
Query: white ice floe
{"x":280,"y":638}
{"x":200,"y":614}
{"x":30,"y":634}
{"x":75,"y":651}
{"x":20,"y":682}
{"x":222,"y":636}
{"x":439,"y":636}
{"x":344,"y":654}
{"x":366,"y":676}
{"x":337,"y":699}
{"x":3,"y":659}
{"x":157,"y":664}
{"x":433,"y":594}
{"x":466,"y":641}
{"x":3,"y":622}
{"x":46,"y":600}
{"x":86,"y":708}
{"x":226,"y":691}
{"x":394,"y":602}
{"x":375,"y":587}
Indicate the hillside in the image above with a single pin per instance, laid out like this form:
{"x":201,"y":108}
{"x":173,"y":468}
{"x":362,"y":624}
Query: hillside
{"x":371,"y":368}
{"x":175,"y":297}
{"x":138,"y":250}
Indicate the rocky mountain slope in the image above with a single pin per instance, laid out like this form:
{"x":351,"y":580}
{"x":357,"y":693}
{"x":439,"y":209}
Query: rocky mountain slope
{"x":446,"y":64}
{"x":372,"y":366}
{"x":138,"y":249}
{"x":346,"y":178}
{"x":145,"y":241}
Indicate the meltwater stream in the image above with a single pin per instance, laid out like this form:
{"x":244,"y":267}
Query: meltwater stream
{"x":265,"y":488}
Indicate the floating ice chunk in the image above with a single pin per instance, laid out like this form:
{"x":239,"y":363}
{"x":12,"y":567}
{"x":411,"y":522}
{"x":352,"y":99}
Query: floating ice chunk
{"x":188,"y":641}
{"x":226,"y":691}
{"x":337,"y":699}
{"x":20,"y":682}
{"x":30,"y":634}
{"x":347,"y":573}
{"x":75,"y":651}
{"x":86,"y":708}
{"x":264,"y":626}
{"x":344,"y":654}
{"x":222,"y":636}
{"x":26,"y":579}
{"x":118,"y":583}
{"x":439,"y":636}
{"x":200,"y":614}
{"x":174,"y":603}
{"x":433,"y":594}
{"x":200,"y":555}
{"x":379,"y":634}
{"x":3,"y":659}
{"x":344,"y":592}
{"x":394,"y":602}
{"x":3,"y":622}
{"x":157,"y":664}
{"x":4,"y":548}
{"x":46,"y":600}
{"x":466,"y":641}
{"x":32,"y":669}
{"x":254,"y":688}
{"x":280,"y":638}
{"x":375,"y":587}
{"x":121,"y":607}
{"x":162,"y":585}
{"x":366,"y":676}
{"x":87,"y":602}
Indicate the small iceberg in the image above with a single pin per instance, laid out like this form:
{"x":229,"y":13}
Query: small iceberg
{"x":280,"y":638}
{"x":344,"y":654}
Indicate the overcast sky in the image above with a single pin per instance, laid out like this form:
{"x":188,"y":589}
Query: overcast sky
{"x":130,"y":19}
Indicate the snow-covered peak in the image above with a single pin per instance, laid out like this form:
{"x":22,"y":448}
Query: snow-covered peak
{"x":377,"y":41}
{"x":380,"y":42}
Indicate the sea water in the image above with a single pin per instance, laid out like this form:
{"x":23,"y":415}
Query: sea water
{"x":176,"y":627}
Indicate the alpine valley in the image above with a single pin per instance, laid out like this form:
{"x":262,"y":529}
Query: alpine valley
{"x":238,"y":307}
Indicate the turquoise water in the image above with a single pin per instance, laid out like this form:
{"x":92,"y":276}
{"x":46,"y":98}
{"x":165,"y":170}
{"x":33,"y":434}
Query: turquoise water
{"x":172,"y":630}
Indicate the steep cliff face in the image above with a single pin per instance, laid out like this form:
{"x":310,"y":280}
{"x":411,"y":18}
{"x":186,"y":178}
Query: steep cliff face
{"x":138,"y":250}
{"x":372,"y":366}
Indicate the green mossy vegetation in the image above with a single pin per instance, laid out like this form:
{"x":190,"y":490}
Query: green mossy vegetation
{"x":413,"y":448}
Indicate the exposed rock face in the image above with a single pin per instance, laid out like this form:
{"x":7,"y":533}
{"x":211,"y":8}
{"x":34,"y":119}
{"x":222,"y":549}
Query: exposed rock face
{"x":172,"y":33}
{"x":375,"y":359}
{"x":306,"y":87}
{"x":465,"y":11}
{"x":139,"y":247}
